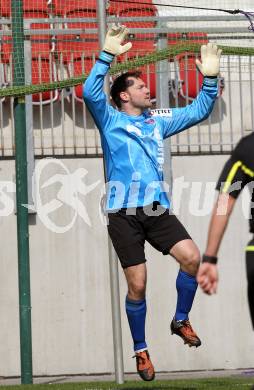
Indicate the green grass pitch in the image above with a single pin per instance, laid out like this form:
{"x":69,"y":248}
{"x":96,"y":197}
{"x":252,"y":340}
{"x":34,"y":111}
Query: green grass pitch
{"x":190,"y":384}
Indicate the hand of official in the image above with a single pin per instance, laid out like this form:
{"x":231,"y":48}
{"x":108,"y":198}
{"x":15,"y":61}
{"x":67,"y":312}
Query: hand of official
{"x":208,"y":277}
{"x":210,"y":60}
{"x":114,"y":39}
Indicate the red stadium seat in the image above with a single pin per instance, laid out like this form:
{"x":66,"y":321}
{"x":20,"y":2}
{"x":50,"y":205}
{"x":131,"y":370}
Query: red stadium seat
{"x":141,"y":46}
{"x":197,"y":37}
{"x":43,"y":64}
{"x":137,"y":12}
{"x":134,"y":10}
{"x":78,"y":65}
{"x":76,"y":46}
{"x":39,"y":45}
{"x":83,"y":63}
{"x":43,"y":70}
{"x":3,"y":79}
{"x":76,"y":50}
{"x":33,"y":9}
{"x":185,"y":38}
{"x":76,"y":9}
{"x":5,"y":60}
{"x":78,"y":55}
{"x":82,"y":14}
{"x":116,"y":7}
{"x":174,"y":38}
{"x":6,"y":49}
{"x":5,"y":8}
{"x":190,"y":79}
{"x":35,"y":6}
{"x":126,"y":4}
{"x":65,"y":7}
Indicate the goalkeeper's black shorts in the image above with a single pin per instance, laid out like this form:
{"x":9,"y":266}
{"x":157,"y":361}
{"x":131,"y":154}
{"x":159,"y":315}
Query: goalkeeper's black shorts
{"x":130,"y":228}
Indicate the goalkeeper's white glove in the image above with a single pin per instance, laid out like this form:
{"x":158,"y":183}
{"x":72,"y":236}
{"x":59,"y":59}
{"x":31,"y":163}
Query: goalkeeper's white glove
{"x":114,"y":39}
{"x":210,"y":60}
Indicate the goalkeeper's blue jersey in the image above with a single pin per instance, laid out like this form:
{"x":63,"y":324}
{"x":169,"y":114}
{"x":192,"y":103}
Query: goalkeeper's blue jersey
{"x":133,"y":145}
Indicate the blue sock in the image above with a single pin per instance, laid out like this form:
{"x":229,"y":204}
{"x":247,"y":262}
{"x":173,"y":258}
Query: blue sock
{"x":136,"y":313}
{"x":186,"y":286}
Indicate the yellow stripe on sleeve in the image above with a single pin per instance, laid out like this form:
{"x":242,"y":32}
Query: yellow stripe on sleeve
{"x":249,"y":248}
{"x":248,"y":171}
{"x":231,"y":176}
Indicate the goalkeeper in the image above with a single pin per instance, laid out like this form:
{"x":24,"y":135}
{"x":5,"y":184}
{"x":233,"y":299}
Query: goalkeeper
{"x":137,"y":204}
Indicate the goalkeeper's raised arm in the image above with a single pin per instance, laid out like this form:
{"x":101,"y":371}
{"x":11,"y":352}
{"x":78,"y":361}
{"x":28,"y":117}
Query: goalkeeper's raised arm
{"x":94,"y":96}
{"x":201,"y":107}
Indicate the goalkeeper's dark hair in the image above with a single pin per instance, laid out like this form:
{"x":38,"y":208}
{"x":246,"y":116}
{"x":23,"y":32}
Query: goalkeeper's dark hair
{"x":120,"y":84}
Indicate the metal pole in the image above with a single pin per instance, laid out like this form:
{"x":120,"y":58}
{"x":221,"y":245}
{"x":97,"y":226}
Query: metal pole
{"x":102,"y":29}
{"x":162,"y":101}
{"x":29,"y":121}
{"x":113,"y":261}
{"x":21,"y":196}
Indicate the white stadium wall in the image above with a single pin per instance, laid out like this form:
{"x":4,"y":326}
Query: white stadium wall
{"x":71,"y":310}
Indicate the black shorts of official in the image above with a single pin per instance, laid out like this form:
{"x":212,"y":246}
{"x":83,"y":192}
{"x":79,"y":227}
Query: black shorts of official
{"x":129,"y":232}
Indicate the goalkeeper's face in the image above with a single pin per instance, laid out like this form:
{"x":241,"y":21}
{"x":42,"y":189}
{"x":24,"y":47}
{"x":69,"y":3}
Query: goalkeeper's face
{"x":137,"y":94}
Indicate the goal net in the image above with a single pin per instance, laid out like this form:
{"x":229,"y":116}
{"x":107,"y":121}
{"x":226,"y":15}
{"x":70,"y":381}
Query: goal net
{"x":56,"y":42}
